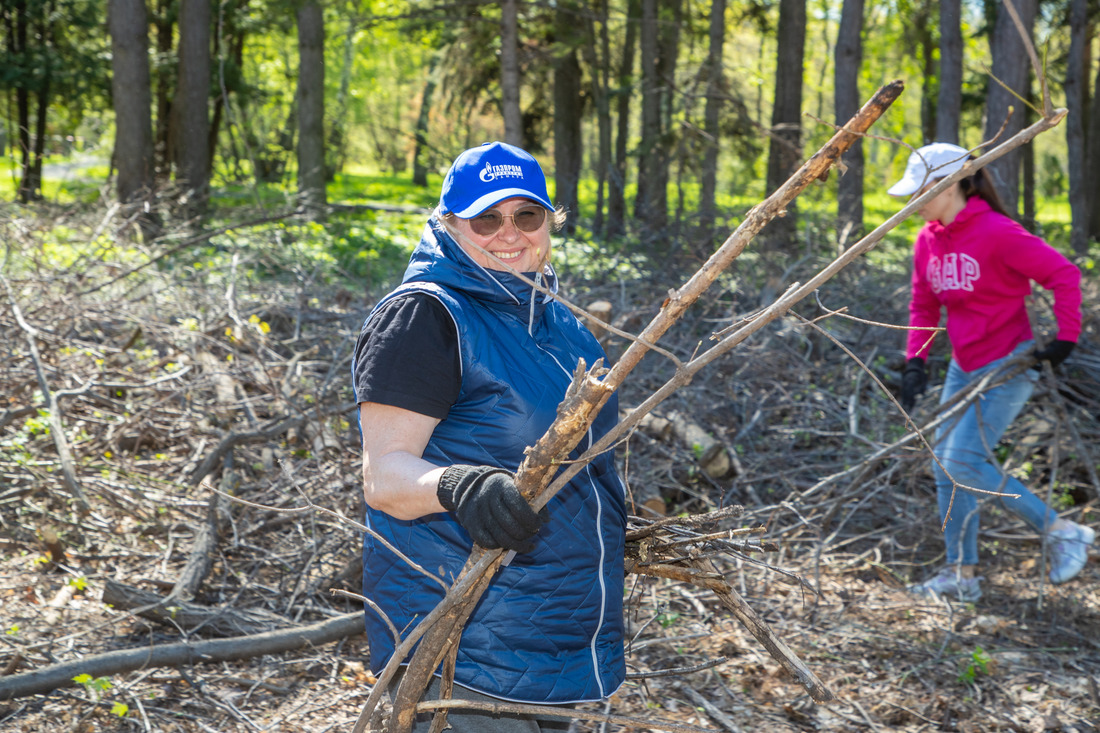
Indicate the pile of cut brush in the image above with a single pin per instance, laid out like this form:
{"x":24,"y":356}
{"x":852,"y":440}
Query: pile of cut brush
{"x":179,"y":463}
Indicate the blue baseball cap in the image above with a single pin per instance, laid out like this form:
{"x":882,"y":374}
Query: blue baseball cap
{"x":486,"y":175}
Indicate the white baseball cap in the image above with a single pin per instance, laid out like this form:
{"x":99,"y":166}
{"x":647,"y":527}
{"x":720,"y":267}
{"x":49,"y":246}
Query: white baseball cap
{"x":927,"y":164}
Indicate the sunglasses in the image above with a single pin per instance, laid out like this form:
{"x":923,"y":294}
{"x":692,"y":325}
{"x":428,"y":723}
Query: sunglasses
{"x":526,"y":219}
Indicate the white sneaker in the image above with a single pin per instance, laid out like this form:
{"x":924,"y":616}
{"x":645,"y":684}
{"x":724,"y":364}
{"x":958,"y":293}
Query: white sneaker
{"x":948,"y":582}
{"x":1069,"y":551}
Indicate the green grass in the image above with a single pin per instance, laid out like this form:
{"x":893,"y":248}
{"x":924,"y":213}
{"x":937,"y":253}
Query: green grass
{"x":76,"y":187}
{"x":359,"y":185}
{"x":372,"y":246}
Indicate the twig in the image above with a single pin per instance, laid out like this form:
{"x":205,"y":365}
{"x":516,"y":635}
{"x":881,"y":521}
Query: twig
{"x":57,"y":427}
{"x":504,"y":708}
{"x":713,"y":710}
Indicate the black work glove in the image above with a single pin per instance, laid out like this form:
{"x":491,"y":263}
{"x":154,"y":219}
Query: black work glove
{"x":488,"y":505}
{"x":1055,"y":352}
{"x":913,"y":382}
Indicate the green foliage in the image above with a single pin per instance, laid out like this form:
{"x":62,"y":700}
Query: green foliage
{"x":95,"y":686}
{"x":667,"y":620}
{"x":67,"y":179}
{"x":978,"y":663}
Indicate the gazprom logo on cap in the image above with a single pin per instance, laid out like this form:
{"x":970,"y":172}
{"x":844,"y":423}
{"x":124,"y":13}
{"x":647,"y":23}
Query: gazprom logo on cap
{"x":492,"y":172}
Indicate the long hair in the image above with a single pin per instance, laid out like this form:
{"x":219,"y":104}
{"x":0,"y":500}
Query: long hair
{"x":981,"y":184}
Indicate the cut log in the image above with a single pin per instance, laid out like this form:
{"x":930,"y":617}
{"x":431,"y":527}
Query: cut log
{"x":601,"y":309}
{"x":711,"y":454}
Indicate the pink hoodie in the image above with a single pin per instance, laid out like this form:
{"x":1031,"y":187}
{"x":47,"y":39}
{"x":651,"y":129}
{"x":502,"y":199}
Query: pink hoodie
{"x":980,"y":268}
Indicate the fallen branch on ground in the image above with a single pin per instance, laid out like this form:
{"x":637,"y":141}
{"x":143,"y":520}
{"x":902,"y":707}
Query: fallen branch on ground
{"x":181,"y":654}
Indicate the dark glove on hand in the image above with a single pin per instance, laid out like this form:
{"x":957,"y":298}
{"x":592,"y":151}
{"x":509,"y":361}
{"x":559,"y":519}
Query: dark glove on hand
{"x":488,"y":505}
{"x":1055,"y":352}
{"x":913,"y":382}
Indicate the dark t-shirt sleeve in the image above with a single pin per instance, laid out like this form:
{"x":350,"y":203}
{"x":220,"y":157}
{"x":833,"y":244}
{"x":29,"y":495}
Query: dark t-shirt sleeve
{"x":407,"y":356}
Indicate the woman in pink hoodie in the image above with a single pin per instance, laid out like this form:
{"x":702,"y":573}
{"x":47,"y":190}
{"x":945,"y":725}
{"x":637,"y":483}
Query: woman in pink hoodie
{"x":974,"y":261}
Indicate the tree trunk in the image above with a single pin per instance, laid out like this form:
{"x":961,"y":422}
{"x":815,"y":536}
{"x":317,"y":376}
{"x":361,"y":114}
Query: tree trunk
{"x":949,"y":101}
{"x":233,"y":36}
{"x":1075,"y":90}
{"x":568,"y":109}
{"x":785,"y":141}
{"x":616,"y":191}
{"x":18,"y":45}
{"x":1028,"y":174}
{"x":192,"y":114}
{"x":337,"y":146}
{"x":23,"y":116}
{"x":669,"y":20}
{"x":311,"y":109}
{"x":716,"y":85}
{"x":30,"y":187}
{"x":420,"y":169}
{"x":849,"y":58}
{"x":130,"y":90}
{"x":597,"y":55}
{"x":922,"y":33}
{"x":32,"y":176}
{"x":648,"y":198}
{"x":1092,"y":161}
{"x":509,"y":73}
{"x":163,"y":145}
{"x":1011,"y":67}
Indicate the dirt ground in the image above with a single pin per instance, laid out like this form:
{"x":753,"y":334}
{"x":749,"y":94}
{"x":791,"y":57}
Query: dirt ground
{"x":171,"y":382}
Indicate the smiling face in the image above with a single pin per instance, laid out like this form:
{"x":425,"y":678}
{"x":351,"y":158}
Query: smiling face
{"x":515,"y":248}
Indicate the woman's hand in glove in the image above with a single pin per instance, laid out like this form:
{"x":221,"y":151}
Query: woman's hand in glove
{"x":913,"y":382}
{"x":487,"y":504}
{"x":1055,"y":352}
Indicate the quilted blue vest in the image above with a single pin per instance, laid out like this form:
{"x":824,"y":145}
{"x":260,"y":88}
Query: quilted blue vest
{"x":550,"y":626}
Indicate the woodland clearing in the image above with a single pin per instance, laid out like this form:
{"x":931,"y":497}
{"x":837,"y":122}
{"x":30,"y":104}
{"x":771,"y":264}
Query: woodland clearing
{"x":170,"y":376}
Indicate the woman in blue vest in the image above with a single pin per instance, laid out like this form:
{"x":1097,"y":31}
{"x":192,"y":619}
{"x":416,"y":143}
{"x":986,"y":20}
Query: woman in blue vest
{"x":456,"y":372}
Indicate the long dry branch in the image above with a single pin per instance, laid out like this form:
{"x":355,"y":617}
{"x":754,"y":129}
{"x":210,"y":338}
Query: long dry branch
{"x":797,"y":292}
{"x":586,"y":397}
{"x":57,"y":427}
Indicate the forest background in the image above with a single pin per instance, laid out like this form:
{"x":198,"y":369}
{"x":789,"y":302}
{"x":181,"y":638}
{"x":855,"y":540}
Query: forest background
{"x":202,"y":201}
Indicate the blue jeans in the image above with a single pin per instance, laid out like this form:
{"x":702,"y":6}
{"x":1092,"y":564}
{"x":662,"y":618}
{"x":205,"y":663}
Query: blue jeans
{"x":963,"y":446}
